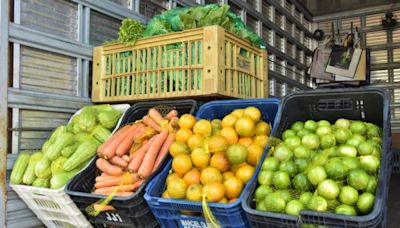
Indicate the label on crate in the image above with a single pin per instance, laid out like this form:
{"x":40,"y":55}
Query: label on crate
{"x":113,"y":217}
{"x":193,"y":224}
{"x":243,"y":63}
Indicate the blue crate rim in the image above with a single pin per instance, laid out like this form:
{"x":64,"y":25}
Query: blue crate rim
{"x":235,"y":204}
{"x":375,"y":213}
{"x":136,"y":106}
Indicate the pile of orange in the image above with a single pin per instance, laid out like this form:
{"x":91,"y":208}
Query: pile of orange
{"x":216,"y":158}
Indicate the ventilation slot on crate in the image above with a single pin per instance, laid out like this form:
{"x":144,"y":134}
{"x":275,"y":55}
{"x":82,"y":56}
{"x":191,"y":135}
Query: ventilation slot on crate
{"x":335,"y":104}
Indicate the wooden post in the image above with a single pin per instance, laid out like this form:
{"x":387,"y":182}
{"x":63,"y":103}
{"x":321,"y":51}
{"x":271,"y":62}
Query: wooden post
{"x":97,"y":85}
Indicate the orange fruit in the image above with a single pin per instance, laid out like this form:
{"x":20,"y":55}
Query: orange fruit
{"x":216,"y":124}
{"x":165,"y":195}
{"x":235,"y":167}
{"x":171,"y":176}
{"x":177,"y":148}
{"x":192,"y":177}
{"x":203,"y":128}
{"x":219,"y":161}
{"x":177,"y":188}
{"x":236,"y":153}
{"x":232,"y":200}
{"x":210,"y":174}
{"x":195,"y":141}
{"x":217,"y":143}
{"x":194,"y":192}
{"x":230,"y":134}
{"x":224,"y":200}
{"x":245,"y":173}
{"x":261,"y":140}
{"x":187,"y":121}
{"x":262,"y":128}
{"x":200,"y":158}
{"x":229,"y":121}
{"x":238,"y":112}
{"x":214,"y":191}
{"x":227,"y":174}
{"x":254,"y":153}
{"x":247,"y":141}
{"x":252,"y":112}
{"x":183,"y":134}
{"x":233,"y":187}
{"x":245,"y":127}
{"x":182,"y":163}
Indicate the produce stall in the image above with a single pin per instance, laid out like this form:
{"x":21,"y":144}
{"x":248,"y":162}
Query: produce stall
{"x":175,"y":121}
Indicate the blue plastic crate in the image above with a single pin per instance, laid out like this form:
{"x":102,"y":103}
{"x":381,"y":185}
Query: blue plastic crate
{"x":167,"y":211}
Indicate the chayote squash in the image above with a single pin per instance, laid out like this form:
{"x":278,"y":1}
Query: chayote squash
{"x":109,"y":119}
{"x":42,"y":166}
{"x":19,"y":167}
{"x":56,"y":165}
{"x":29,"y":175}
{"x":100,"y":133}
{"x":60,"y":179}
{"x":41,"y":182}
{"x":69,"y":150}
{"x":64,"y":140}
{"x":85,"y":151}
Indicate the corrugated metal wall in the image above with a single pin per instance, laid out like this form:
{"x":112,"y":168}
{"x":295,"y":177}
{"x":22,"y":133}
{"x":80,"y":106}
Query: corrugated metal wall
{"x":51,"y":49}
{"x":384,"y":45}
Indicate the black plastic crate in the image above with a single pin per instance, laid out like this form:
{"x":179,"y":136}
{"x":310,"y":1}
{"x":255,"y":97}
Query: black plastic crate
{"x":367,"y":104}
{"x":130,"y":211}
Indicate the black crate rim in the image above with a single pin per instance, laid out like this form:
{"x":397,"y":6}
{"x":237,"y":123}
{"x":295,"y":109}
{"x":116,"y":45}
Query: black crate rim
{"x":377,"y":211}
{"x":139,"y":192}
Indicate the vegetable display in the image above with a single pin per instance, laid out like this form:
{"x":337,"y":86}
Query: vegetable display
{"x":322,"y":167}
{"x":215,"y":159}
{"x":180,"y":19}
{"x":68,"y":149}
{"x":133,"y":153}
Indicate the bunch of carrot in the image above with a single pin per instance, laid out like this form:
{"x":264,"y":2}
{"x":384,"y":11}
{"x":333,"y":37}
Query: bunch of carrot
{"x":134,"y":152}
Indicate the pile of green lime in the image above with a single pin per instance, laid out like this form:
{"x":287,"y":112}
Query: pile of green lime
{"x":322,"y":167}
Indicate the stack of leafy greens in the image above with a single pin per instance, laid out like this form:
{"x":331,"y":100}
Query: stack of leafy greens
{"x":179,"y":19}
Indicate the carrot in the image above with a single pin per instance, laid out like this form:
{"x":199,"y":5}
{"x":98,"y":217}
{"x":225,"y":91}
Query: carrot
{"x":138,"y":184}
{"x":164,"y":150}
{"x":110,"y":150}
{"x":106,"y":167}
{"x":148,"y":162}
{"x":139,"y":156}
{"x":102,"y":208}
{"x":155,"y":115}
{"x":112,"y":138}
{"x":117,"y":160}
{"x":171,"y":115}
{"x":151,"y":123}
{"x":126,"y":143}
{"x":120,"y":188}
{"x":135,"y":147}
{"x":125,"y":179}
{"x":126,"y":158}
{"x":104,"y":178}
{"x":117,"y":193}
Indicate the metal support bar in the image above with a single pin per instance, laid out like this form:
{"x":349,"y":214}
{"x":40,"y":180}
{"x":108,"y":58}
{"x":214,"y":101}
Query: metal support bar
{"x":111,"y":9}
{"x":186,"y":3}
{"x":32,"y":38}
{"x":303,"y":9}
{"x":45,"y":101}
{"x":278,"y":53}
{"x":271,"y":25}
{"x":287,"y":80}
{"x":4,"y":15}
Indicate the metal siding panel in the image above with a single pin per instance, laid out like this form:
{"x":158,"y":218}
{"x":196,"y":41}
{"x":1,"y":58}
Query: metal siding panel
{"x":379,"y":57}
{"x":48,"y":72}
{"x":379,"y":76}
{"x":102,"y":28}
{"x":124,"y":3}
{"x":396,"y":75}
{"x":252,"y":22}
{"x":267,"y":35}
{"x":396,"y":55}
{"x":55,"y":17}
{"x":376,"y":38}
{"x":152,"y":8}
{"x":266,"y":9}
{"x":36,"y":127}
{"x":396,"y":36}
{"x":374,"y":19}
{"x":346,"y":23}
